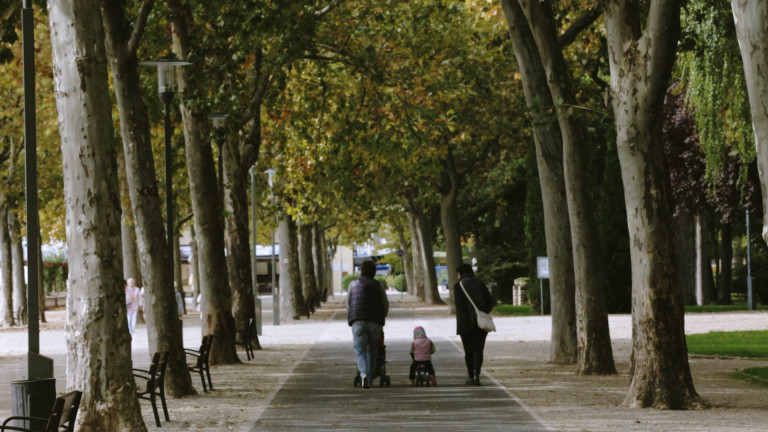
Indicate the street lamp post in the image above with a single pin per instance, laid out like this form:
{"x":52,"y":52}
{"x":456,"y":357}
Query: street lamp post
{"x":275,"y":294}
{"x":166,"y":74}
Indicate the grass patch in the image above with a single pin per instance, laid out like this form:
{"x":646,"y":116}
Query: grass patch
{"x":753,"y":344}
{"x":755,"y":375}
{"x":510,"y":310}
{"x":741,"y":306}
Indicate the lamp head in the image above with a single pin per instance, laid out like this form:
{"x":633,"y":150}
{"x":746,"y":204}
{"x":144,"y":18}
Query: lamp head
{"x":166,"y":72}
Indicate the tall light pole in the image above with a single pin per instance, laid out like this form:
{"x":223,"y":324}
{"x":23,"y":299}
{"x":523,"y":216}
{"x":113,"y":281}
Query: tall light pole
{"x":166,"y":80}
{"x":275,"y":293}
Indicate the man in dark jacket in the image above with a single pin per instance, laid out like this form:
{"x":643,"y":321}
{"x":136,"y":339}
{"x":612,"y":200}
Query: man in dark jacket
{"x":472,"y":336}
{"x":368,"y":306}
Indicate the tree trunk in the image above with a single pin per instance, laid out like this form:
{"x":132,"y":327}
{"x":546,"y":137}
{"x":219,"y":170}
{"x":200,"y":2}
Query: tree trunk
{"x":286,"y":289}
{"x":209,"y":225}
{"x":726,"y":268}
{"x":307,"y":268}
{"x":449,"y":220}
{"x":549,"y":156}
{"x":17,"y":256}
{"x":417,"y":288}
{"x":291,"y":296}
{"x":703,"y":266}
{"x":320,"y":258}
{"x":6,"y":270}
{"x":238,"y":241}
{"x":640,"y":64}
{"x":194,"y":269}
{"x":428,"y":256}
{"x":131,"y":266}
{"x":407,"y":261}
{"x":178,"y":283}
{"x":164,"y":328}
{"x":595,"y":356}
{"x":685,"y":256}
{"x":96,"y":299}
{"x":750,"y":18}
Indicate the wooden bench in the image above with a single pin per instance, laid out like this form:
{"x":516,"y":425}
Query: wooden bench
{"x":155,"y":384}
{"x":62,"y":418}
{"x":201,"y":365}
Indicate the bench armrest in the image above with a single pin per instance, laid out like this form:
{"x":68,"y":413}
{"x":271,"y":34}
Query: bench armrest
{"x":5,"y":426}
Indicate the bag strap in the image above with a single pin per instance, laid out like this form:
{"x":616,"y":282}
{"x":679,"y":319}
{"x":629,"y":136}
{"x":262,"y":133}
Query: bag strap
{"x":467,"y":294}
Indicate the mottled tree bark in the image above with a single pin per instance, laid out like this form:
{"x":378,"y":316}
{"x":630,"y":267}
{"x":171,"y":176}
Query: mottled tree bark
{"x":549,"y":157}
{"x":750,"y":18}
{"x":238,"y":241}
{"x":292,"y":303}
{"x":449,"y":220}
{"x":96,"y":299}
{"x":209,"y":224}
{"x":159,"y":311}
{"x":641,"y":52}
{"x":417,"y":288}
{"x":595,"y":356}
{"x":306,"y":267}
{"x":407,"y":261}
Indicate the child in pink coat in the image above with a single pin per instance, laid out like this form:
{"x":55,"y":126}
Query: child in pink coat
{"x":422,"y":349}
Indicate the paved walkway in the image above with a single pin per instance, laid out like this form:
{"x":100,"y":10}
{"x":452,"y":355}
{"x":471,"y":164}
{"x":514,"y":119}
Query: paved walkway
{"x":320,"y":396}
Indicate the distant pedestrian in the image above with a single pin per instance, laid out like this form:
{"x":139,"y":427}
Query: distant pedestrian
{"x":422,"y":349}
{"x":132,"y":302}
{"x":368,"y":306}
{"x":472,"y":336}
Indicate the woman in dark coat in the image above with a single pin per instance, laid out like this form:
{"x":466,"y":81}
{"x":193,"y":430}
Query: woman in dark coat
{"x":472,"y":336}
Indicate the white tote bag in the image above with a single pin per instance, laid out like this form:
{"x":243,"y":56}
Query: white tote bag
{"x":484,"y":321}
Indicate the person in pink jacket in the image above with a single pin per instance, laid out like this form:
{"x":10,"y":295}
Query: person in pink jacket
{"x":422,"y":349}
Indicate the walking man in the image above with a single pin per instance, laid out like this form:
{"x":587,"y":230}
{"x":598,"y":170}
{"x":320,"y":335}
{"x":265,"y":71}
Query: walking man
{"x":368,"y":306}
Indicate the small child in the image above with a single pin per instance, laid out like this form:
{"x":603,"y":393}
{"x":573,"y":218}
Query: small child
{"x":422,"y":349}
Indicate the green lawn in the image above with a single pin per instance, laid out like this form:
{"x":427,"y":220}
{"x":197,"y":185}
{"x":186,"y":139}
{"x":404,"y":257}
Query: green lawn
{"x":509,"y":310}
{"x":752,"y":344}
{"x":721,"y":308}
{"x":755,"y":375}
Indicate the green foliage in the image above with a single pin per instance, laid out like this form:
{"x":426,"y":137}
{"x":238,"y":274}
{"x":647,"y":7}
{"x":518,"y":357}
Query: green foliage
{"x":752,"y":344}
{"x":55,"y":277}
{"x":716,"y":86}
{"x":383,"y":281}
{"x":399,"y":283}
{"x":347,"y":280}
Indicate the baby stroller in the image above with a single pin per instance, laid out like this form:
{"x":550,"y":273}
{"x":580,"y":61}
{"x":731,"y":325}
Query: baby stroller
{"x":381,"y":366}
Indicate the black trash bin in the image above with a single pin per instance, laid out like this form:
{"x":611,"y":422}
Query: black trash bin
{"x":33,"y":398}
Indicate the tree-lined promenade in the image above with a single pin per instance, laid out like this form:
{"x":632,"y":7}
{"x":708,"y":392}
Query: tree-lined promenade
{"x":495,"y":131}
